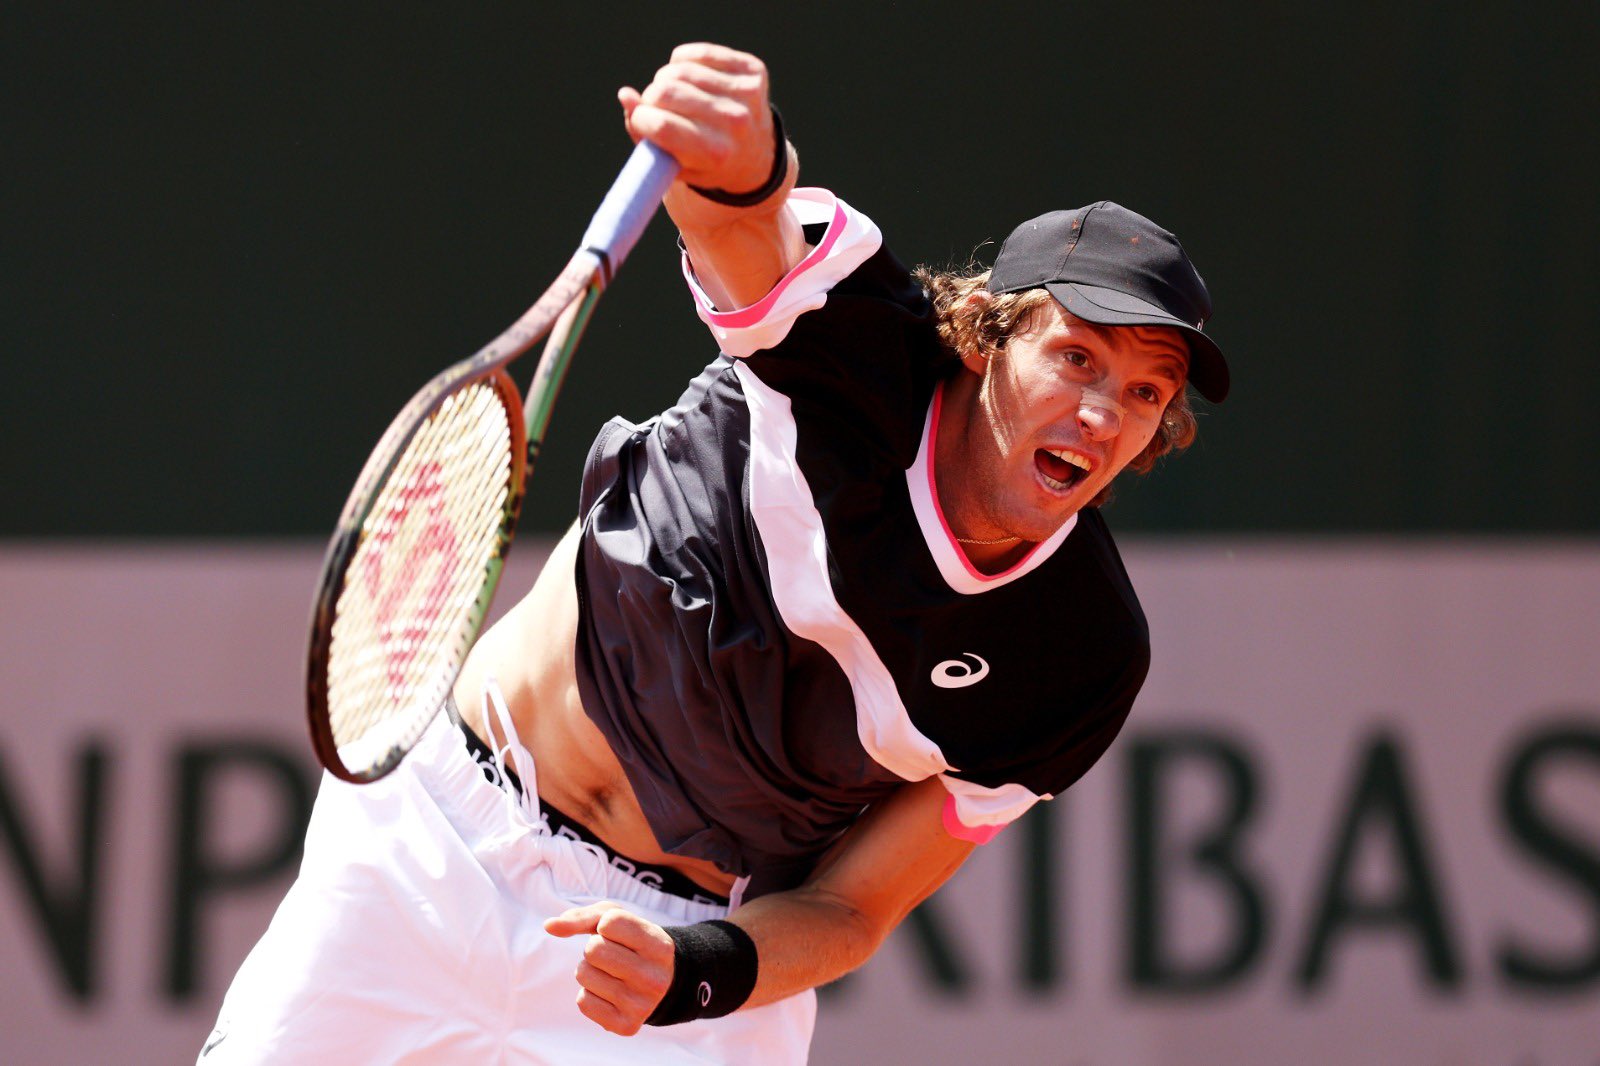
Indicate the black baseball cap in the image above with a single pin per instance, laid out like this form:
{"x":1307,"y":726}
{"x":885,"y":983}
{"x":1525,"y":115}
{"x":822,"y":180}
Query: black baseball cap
{"x":1108,"y":265}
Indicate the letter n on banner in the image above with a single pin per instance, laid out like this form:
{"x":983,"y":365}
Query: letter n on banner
{"x":68,"y":903}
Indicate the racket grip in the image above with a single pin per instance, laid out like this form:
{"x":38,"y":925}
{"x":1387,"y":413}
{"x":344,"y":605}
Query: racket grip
{"x":631,"y":203}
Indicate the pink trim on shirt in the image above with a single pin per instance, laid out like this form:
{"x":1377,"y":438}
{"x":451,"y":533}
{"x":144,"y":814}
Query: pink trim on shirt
{"x":749,"y":316}
{"x":976,"y":834}
{"x":938,"y":509}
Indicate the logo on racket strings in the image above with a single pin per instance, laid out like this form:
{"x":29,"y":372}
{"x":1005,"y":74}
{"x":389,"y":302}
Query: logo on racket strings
{"x":391,"y":580}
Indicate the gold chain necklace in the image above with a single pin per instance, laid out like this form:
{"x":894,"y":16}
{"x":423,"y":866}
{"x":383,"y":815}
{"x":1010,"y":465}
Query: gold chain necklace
{"x":986,"y":543}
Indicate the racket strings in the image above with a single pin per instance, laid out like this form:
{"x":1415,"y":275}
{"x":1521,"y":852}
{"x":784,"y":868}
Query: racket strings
{"x":403,"y":621}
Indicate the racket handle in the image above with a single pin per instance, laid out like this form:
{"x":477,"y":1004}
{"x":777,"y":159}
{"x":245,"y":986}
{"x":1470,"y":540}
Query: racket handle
{"x":629,"y":206}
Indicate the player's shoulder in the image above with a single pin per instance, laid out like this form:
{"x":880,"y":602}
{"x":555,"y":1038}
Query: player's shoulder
{"x":846,"y":238}
{"x":1092,"y":535}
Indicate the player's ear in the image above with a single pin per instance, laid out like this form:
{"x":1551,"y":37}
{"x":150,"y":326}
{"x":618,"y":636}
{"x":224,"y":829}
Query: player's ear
{"x":975,"y":353}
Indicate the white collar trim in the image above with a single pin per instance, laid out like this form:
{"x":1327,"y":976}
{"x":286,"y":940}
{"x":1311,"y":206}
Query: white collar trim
{"x":948,"y":555}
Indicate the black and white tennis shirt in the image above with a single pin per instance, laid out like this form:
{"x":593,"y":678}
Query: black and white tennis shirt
{"x":777,"y":626}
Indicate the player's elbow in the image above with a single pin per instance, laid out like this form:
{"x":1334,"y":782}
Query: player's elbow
{"x":858,"y":931}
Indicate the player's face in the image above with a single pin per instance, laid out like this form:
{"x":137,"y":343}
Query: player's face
{"x":1060,"y":412}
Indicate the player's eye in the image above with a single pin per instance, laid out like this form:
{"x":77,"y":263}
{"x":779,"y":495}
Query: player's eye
{"x":1076,"y":358}
{"x":1148,"y":393}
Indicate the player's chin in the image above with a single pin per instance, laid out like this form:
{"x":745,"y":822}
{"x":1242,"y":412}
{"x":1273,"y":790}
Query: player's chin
{"x":1034,"y":523}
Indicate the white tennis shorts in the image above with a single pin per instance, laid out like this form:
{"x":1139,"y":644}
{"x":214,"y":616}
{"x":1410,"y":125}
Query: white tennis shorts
{"x":414,"y":935}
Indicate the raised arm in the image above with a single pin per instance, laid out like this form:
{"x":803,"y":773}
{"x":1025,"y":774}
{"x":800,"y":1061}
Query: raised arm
{"x":709,"y":107}
{"x":888,"y":862}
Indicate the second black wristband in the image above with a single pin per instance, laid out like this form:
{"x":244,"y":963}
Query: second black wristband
{"x":713,"y":972}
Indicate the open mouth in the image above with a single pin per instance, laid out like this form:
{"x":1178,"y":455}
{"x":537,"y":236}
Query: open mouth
{"x":1060,"y":470}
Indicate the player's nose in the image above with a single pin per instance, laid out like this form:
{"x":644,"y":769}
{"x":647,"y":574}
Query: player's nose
{"x":1099,"y":418}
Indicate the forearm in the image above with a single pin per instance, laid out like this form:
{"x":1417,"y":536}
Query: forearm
{"x":892,"y":859}
{"x":739,"y":253}
{"x":804,"y":938}
{"x":814,"y":934}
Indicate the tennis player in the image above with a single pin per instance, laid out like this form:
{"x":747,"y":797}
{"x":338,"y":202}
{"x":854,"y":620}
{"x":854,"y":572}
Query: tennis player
{"x":823,"y":627}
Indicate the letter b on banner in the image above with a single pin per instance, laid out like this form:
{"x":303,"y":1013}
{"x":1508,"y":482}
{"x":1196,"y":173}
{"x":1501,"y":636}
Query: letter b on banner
{"x":1152,"y":761}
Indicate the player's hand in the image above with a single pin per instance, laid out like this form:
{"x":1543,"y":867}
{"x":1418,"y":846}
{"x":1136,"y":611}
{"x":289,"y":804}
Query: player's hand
{"x":626,"y":967}
{"x":708,"y":108}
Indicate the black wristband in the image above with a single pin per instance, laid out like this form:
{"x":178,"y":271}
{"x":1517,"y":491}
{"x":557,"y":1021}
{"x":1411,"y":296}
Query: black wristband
{"x":780,"y":170}
{"x":713,"y":972}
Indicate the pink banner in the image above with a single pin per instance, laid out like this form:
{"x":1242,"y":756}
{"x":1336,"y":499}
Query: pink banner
{"x":1355,"y":818}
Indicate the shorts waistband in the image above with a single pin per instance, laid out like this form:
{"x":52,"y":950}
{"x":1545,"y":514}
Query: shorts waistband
{"x":662,"y":878}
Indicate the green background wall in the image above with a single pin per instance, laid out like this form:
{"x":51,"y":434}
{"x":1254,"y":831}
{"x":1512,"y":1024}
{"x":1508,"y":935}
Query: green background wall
{"x":234,"y":238}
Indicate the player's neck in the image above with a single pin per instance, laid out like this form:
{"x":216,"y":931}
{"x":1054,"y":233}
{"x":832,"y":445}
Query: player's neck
{"x":987,"y":547}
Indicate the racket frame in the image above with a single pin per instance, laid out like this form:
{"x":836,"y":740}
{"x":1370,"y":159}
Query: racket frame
{"x":562,"y":312}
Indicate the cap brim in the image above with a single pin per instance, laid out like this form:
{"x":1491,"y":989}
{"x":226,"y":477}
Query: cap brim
{"x":1208,"y":370}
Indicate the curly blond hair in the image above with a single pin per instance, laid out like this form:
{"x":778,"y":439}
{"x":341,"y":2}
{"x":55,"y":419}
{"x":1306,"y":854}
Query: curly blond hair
{"x":984,"y":326}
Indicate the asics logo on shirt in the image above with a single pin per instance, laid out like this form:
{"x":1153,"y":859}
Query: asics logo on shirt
{"x":957,"y":673}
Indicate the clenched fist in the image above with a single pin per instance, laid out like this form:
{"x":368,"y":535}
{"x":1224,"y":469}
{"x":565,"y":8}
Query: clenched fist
{"x":626,"y":967}
{"x":708,"y":107}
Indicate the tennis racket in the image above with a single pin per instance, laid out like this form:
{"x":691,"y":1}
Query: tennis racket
{"x":412,"y":568}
